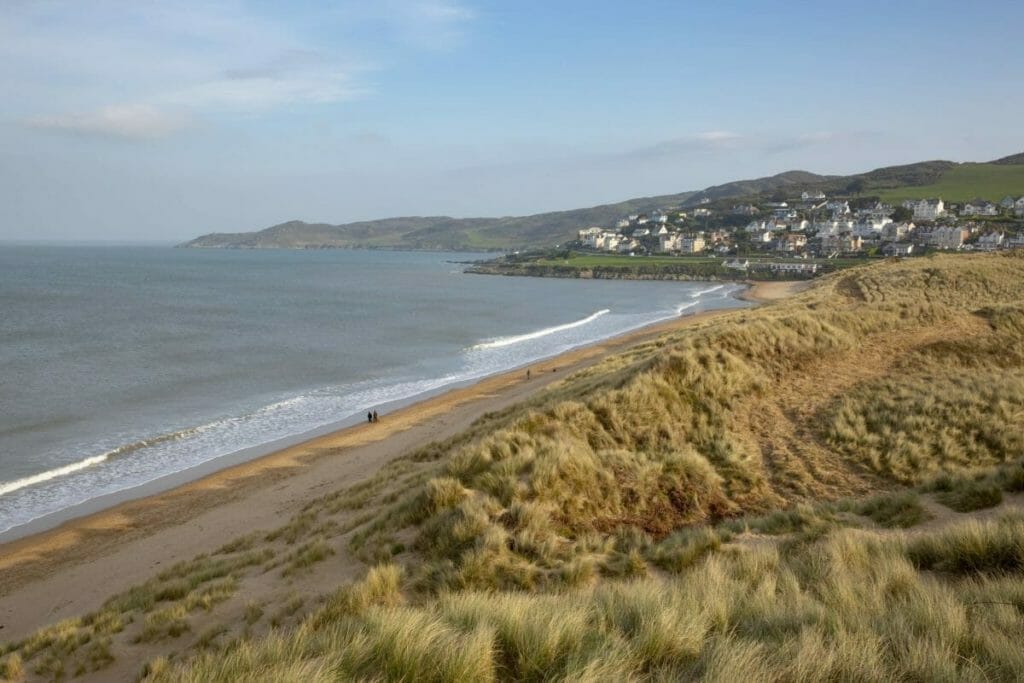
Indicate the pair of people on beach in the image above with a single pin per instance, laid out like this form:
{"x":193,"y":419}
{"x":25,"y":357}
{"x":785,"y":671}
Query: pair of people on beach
{"x":372,"y":417}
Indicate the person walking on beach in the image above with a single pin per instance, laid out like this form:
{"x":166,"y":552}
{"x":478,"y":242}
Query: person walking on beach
{"x":369,"y":417}
{"x":375,"y":418}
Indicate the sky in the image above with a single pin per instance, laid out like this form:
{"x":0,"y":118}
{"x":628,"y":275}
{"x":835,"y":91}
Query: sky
{"x":145,"y":120}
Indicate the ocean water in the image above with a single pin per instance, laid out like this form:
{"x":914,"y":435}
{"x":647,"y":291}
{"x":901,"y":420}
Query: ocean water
{"x":121,"y":365}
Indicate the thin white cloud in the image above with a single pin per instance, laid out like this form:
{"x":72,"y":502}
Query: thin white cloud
{"x":435,"y":24}
{"x":146,"y":70}
{"x":718,"y":136}
{"x":133,"y":121}
{"x":269,"y":90}
{"x":420,"y":24}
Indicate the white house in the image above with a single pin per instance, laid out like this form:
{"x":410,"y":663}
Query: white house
{"x":991,"y":241}
{"x":736,"y":264}
{"x":870,"y":227}
{"x":623,"y":223}
{"x":947,"y":237}
{"x":1018,"y":206}
{"x":794,"y":267}
{"x":590,"y":236}
{"x":811,"y":196}
{"x":841,"y":243}
{"x":898,"y":249}
{"x":691,"y":245}
{"x":837,"y":208}
{"x":791,"y":242}
{"x":628,"y":246}
{"x":897,"y":231}
{"x":668,"y":242}
{"x":926,"y":209}
{"x":879,"y":210}
{"x":1007,"y":202}
{"x":698,"y":212}
{"x":979,"y":208}
{"x":833,"y":227}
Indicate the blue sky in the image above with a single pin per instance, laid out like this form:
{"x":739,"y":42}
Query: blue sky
{"x":129,"y":120}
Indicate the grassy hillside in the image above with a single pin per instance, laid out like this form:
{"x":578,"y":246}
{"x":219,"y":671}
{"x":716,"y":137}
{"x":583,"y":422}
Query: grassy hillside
{"x":724,"y":502}
{"x":966,"y":182}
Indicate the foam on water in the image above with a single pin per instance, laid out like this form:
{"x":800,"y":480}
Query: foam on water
{"x":518,"y":339}
{"x":12,"y":486}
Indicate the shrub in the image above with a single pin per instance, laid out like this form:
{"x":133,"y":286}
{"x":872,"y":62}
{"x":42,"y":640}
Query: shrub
{"x":972,"y":495}
{"x":899,"y":510}
{"x":972,"y":547}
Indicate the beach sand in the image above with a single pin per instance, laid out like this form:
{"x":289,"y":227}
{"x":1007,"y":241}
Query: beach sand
{"x":72,"y":569}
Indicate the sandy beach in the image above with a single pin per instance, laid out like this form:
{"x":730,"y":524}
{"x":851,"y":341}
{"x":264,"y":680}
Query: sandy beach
{"x":73,"y":568}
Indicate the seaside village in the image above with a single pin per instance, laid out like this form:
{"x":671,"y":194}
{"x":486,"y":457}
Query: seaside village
{"x":814,"y":226}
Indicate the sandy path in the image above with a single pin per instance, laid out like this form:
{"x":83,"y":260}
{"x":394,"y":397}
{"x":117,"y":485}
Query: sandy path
{"x":72,"y":569}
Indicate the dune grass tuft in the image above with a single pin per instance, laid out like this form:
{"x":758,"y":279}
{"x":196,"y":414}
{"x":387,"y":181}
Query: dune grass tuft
{"x":900,"y":510}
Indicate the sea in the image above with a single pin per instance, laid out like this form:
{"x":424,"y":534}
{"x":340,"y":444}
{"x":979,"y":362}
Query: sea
{"x":123,"y":365}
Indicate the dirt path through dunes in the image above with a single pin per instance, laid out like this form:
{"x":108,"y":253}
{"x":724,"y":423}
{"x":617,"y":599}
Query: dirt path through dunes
{"x":796,"y":461}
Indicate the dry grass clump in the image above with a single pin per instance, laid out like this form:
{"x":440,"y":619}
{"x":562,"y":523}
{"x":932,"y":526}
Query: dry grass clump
{"x":854,"y":605}
{"x":685,"y":548}
{"x":972,"y":547}
{"x":306,"y":556}
{"x":163,"y":623}
{"x":972,"y":496}
{"x":911,"y":428}
{"x":12,"y":668}
{"x":797,"y":519}
{"x":900,"y":510}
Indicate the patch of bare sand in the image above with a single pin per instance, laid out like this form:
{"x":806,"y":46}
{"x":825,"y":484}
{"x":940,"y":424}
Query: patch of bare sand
{"x":767,"y":292}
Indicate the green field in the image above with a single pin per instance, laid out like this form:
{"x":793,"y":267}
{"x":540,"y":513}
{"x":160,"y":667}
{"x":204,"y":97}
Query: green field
{"x":599,"y":260}
{"x":602,"y":260}
{"x":964,"y":183}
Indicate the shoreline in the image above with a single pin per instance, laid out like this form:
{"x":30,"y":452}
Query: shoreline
{"x":71,"y":568}
{"x":192,"y":473}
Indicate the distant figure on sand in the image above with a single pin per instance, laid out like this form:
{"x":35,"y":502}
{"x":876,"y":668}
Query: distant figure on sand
{"x":369,"y":417}
{"x":375,"y":419}
{"x":527,"y":373}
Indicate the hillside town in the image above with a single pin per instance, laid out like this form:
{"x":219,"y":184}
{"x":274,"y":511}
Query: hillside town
{"x":815,"y":226}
